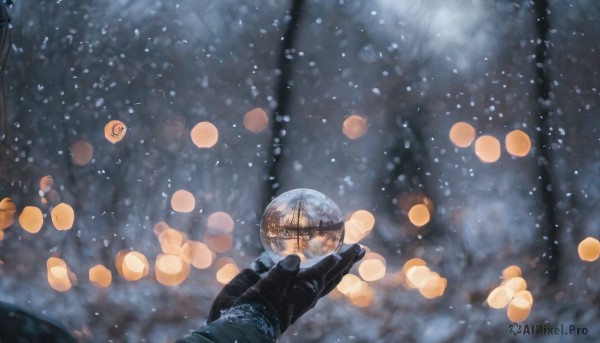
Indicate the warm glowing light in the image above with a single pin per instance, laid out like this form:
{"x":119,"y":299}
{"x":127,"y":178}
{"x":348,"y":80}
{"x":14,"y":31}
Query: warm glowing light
{"x":419,"y":215}
{"x":171,"y":270}
{"x":526,"y":294}
{"x":413,"y":262}
{"x":354,"y":126}
{"x":499,"y":297}
{"x":114,"y":131}
{"x":354,"y":231}
{"x":256,"y":120}
{"x":1,"y":235}
{"x":7,"y":213}
{"x":58,"y":274}
{"x":511,"y":272}
{"x":160,"y":227}
{"x":363,"y":297}
{"x":197,"y":254}
{"x":63,"y":216}
{"x":516,"y":284}
{"x":135,"y":266}
{"x":434,"y":287}
{"x":204,"y":135}
{"x":462,"y":134}
{"x":100,"y":276}
{"x":82,"y":153}
{"x":589,"y":249}
{"x":183,"y":201}
{"x":518,"y":143}
{"x":220,"y":223}
{"x":372,"y":267}
{"x":349,"y":284}
{"x":487,"y":148}
{"x":171,"y":241}
{"x":365,"y":218}
{"x":218,"y":243}
{"x":46,"y":183}
{"x":418,"y":276}
{"x":227,"y":273}
{"x":518,"y":309}
{"x":31,"y":219}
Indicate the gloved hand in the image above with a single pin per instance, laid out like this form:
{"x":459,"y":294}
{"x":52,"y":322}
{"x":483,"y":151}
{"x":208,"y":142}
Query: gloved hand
{"x":286,"y":292}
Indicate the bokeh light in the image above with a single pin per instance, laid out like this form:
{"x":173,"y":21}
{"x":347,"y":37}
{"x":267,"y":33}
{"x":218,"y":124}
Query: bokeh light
{"x":419,"y":215}
{"x":511,"y":272}
{"x":354,"y":126}
{"x":100,"y":276}
{"x":197,"y":254}
{"x":58,"y":274}
{"x":171,"y":270}
{"x":204,"y":135}
{"x":114,"y":131}
{"x":220,"y":223}
{"x":462,"y":134}
{"x":518,"y":143}
{"x":31,"y":219}
{"x":350,"y":283}
{"x":7,"y":213}
{"x":183,"y":201}
{"x":256,"y":120}
{"x":487,"y":148}
{"x":132,"y":265}
{"x":171,"y":241}
{"x":499,"y":297}
{"x":63,"y":217}
{"x":589,"y":249}
{"x":218,"y":243}
{"x":372,"y":267}
{"x":82,"y":153}
{"x":226,"y":273}
{"x":516,"y":284}
{"x":518,"y":309}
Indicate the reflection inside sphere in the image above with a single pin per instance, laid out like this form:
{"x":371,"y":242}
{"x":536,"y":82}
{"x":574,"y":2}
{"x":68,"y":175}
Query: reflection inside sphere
{"x":303,"y":222}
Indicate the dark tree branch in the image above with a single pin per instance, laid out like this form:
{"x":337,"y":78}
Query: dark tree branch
{"x":542,"y":85}
{"x":283,"y":101}
{"x":4,"y":52}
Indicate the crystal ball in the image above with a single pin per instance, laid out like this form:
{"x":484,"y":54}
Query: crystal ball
{"x":302,"y":222}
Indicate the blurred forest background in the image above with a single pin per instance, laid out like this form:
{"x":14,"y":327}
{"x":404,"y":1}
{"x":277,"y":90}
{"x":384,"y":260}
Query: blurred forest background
{"x":355,"y":99}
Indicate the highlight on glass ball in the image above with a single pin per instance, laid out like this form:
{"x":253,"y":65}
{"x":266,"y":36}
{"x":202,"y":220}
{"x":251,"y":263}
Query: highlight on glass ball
{"x":302,"y":222}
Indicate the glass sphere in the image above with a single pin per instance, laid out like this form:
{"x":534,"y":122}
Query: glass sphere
{"x":302,"y":222}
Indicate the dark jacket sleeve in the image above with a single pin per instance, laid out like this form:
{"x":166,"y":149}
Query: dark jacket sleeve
{"x":242,"y":324}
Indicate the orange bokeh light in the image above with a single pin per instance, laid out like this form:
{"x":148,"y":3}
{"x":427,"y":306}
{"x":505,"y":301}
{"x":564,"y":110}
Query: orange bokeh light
{"x":82,"y":153}
{"x":63,"y":216}
{"x":220,"y":223}
{"x":197,"y":254}
{"x":372,"y":267}
{"x":31,"y":219}
{"x":589,"y":249}
{"x":419,"y":215}
{"x":354,"y":126}
{"x":462,"y":134}
{"x":171,"y":270}
{"x":226,"y":273}
{"x":183,"y":201}
{"x":7,"y":213}
{"x":100,"y":276}
{"x":487,"y":148}
{"x":114,"y":131}
{"x":518,"y":143}
{"x":204,"y":135}
{"x":256,"y":120}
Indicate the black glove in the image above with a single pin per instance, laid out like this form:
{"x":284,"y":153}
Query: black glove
{"x":286,"y":293}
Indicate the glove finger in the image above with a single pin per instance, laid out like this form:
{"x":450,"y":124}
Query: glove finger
{"x":321,"y":269}
{"x":279,"y":278}
{"x":335,"y":276}
{"x":348,"y":258}
{"x":262,"y":263}
{"x":231,"y":292}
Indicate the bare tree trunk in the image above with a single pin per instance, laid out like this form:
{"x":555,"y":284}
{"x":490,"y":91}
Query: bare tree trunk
{"x":545,"y":163}
{"x":284,"y":88}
